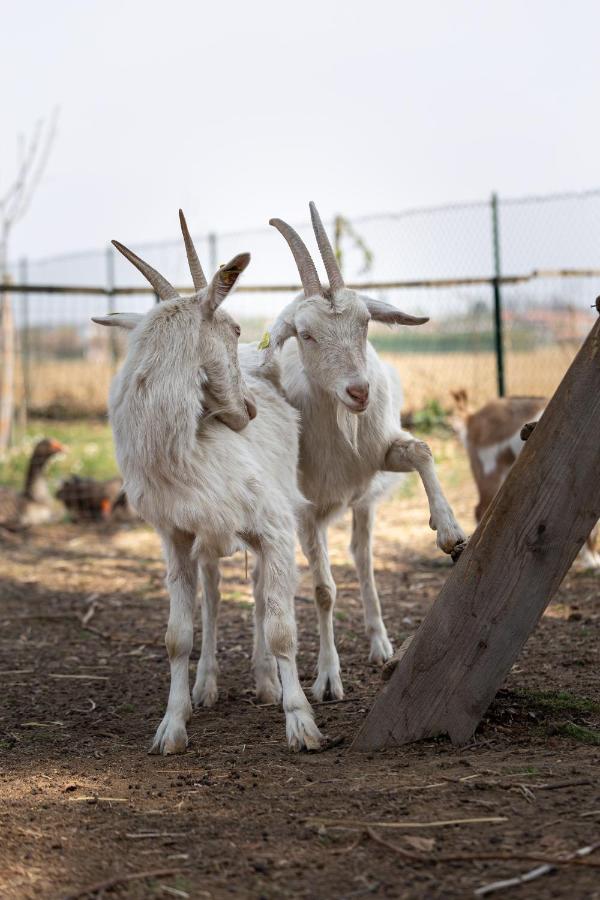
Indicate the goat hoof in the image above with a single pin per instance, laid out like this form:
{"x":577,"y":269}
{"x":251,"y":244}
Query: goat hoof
{"x":206,"y":692}
{"x":381,"y":649}
{"x":268,"y":693}
{"x":328,"y":686}
{"x":171,"y":736}
{"x":302,"y":731}
{"x":457,"y":550}
{"x":206,"y":698}
{"x":390,"y":666}
{"x":449,"y":534}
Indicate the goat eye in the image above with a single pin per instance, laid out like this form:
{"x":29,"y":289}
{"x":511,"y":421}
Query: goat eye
{"x":306,"y":336}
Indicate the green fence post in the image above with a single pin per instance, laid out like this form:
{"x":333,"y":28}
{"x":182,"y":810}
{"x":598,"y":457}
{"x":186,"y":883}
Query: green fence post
{"x":25,"y":343}
{"x":498,"y":339}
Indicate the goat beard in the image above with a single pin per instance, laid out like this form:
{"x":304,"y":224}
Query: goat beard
{"x":347,"y":422}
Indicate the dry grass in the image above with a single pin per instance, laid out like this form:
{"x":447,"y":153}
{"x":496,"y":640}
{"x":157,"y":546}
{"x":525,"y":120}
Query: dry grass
{"x":77,"y":387}
{"x":431,"y":376}
{"x":80,"y":387}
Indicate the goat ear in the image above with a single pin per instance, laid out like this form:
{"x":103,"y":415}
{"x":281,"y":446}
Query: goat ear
{"x":283,"y":328}
{"x":223,"y":281}
{"x":385,"y":312}
{"x":119,"y":320}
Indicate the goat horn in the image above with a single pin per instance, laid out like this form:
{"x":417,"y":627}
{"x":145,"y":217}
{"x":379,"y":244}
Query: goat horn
{"x":326,"y":250}
{"x":306,"y":267}
{"x":195,"y":268}
{"x":163,"y":288}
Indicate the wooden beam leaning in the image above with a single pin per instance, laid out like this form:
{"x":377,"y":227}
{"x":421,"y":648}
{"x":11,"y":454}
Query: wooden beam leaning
{"x":505,"y":578}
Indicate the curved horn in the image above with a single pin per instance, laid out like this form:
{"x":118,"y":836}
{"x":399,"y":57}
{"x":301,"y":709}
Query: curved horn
{"x":195,"y":268}
{"x":326,"y":250}
{"x":306,"y":267}
{"x":163,"y":288}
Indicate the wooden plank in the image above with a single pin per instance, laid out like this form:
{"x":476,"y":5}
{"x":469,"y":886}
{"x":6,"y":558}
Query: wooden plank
{"x":513,"y":565}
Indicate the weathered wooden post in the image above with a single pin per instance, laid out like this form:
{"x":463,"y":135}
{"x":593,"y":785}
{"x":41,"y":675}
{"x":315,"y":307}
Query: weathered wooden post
{"x":511,"y":568}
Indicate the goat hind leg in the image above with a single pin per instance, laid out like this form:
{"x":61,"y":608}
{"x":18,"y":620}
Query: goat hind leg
{"x":362,"y":551}
{"x":280,"y":633}
{"x":406,"y":454}
{"x":268,"y":688}
{"x":206,"y":692}
{"x":313,"y":536}
{"x":182,"y":580}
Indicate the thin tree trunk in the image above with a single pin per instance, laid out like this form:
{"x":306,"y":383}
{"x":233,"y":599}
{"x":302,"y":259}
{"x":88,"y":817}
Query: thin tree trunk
{"x":7,"y":368}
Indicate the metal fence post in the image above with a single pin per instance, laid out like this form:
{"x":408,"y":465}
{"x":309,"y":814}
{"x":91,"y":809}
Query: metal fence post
{"x":498,"y":339}
{"x":25,"y":345}
{"x":212,"y":253}
{"x":110,"y":298}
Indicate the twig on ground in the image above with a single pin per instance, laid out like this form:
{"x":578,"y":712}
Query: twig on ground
{"x":560,"y":784}
{"x":545,"y":869}
{"x":546,"y":786}
{"x":120,"y":879}
{"x":79,"y":677}
{"x":17,"y":671}
{"x":42,"y":724}
{"x":88,"y":613}
{"x":486,"y":857}
{"x":141,"y":835}
{"x":356,"y":823}
{"x":174,"y":892}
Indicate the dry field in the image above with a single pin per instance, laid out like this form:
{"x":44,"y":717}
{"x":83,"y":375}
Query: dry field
{"x":85,"y":812}
{"x":79,"y":387}
{"x":431,"y":376}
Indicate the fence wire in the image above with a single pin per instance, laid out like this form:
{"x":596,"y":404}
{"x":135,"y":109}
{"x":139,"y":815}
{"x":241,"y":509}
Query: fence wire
{"x":65,"y":363}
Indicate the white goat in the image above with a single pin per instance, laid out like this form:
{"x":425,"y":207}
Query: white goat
{"x":175,"y":408}
{"x":349,"y":402}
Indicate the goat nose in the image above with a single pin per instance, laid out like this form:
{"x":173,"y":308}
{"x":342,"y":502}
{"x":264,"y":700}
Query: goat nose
{"x":251,"y":407}
{"x":359,"y":391}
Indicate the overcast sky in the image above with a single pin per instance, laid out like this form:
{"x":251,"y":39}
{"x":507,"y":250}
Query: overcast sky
{"x":239,"y":111}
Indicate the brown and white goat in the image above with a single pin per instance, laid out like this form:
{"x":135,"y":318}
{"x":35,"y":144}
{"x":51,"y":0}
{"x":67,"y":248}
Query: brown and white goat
{"x":492,"y":438}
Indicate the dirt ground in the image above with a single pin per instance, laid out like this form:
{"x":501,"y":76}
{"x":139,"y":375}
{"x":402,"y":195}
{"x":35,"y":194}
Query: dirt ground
{"x":84,"y":679}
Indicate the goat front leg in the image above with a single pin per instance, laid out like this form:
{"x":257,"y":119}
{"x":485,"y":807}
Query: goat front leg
{"x":406,"y":454}
{"x":205,"y":691}
{"x":278,"y":580}
{"x":313,"y":537}
{"x":182,"y":580}
{"x":268,"y":688}
{"x":362,"y":552}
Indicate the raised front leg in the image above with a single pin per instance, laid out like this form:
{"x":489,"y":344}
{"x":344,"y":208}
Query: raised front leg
{"x":205,"y":691}
{"x":182,"y":580}
{"x":406,"y":454}
{"x":362,"y":551}
{"x":268,"y":688}
{"x":278,"y":575}
{"x":313,"y":537}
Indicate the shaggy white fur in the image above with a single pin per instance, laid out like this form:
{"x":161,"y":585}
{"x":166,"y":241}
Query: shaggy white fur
{"x":213,"y":476}
{"x":351,"y":437}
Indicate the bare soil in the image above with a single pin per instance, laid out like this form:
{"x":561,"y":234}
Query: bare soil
{"x":84,"y":679}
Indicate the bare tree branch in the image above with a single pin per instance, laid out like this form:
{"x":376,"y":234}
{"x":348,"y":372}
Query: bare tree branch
{"x":32,"y":159}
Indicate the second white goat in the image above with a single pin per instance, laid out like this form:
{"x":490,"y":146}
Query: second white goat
{"x":351,"y":438}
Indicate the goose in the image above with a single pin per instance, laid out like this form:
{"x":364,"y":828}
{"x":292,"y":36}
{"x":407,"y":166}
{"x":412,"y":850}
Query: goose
{"x":32,"y":505}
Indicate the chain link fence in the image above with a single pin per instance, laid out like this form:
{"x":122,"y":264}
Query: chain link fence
{"x":438,"y":262}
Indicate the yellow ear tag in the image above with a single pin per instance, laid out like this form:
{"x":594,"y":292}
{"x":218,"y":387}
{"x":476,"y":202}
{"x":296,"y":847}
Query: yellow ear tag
{"x":228,"y":276}
{"x":264,"y":341}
